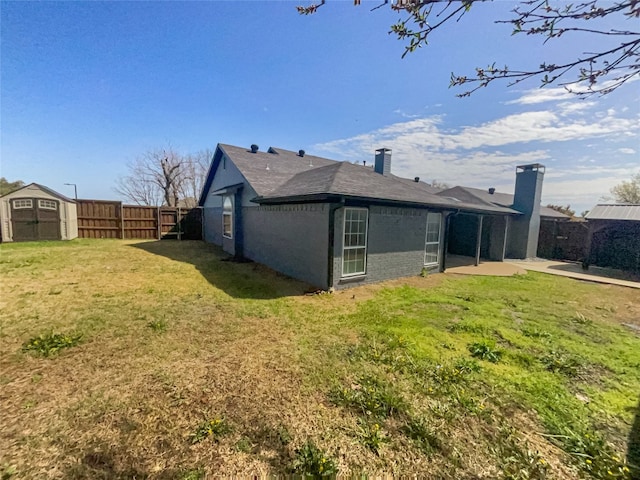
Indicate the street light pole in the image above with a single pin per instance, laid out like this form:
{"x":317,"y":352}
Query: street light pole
{"x":75,"y":189}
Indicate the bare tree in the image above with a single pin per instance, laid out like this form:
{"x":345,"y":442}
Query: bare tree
{"x":596,"y":72}
{"x":163,"y":177}
{"x":196,"y":166}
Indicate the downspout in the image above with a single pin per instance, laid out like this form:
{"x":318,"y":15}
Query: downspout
{"x":333,"y":207}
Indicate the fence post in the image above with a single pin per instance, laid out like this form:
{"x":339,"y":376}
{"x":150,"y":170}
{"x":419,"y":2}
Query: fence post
{"x":159,"y":217}
{"x":121,"y":221}
{"x":179,"y":223}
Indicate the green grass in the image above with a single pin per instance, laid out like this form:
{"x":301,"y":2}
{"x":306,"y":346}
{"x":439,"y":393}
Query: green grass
{"x":532,"y":376}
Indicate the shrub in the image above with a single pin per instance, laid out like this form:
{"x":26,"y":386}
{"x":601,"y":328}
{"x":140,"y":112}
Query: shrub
{"x":213,"y":429}
{"x":313,"y":462}
{"x":45,"y":345}
{"x":485,"y":351}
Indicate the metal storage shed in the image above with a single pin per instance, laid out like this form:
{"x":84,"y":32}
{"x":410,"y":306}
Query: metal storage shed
{"x":35,"y":212}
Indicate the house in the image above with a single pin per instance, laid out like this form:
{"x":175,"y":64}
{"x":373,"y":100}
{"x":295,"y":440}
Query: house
{"x":35,"y":212}
{"x":464,"y":225}
{"x":613,"y":239}
{"x":335,"y":224}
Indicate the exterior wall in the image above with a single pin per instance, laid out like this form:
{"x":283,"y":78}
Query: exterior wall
{"x":67,"y":211}
{"x":226,"y":175}
{"x":463,"y":234}
{"x":5,"y":220}
{"x":395,"y":245}
{"x":292,"y":239}
{"x":497,"y":233}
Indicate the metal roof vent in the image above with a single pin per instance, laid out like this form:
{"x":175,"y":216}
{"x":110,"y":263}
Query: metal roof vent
{"x":254,"y":148}
{"x":492,"y":191}
{"x":416,"y":179}
{"x":301,"y":153}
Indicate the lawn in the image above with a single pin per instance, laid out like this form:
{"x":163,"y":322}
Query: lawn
{"x":163,"y":360}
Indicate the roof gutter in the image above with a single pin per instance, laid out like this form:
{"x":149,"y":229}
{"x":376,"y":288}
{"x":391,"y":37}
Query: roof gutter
{"x":318,"y":197}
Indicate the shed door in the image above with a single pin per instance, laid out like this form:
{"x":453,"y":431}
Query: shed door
{"x":48,"y":219}
{"x":35,"y":219}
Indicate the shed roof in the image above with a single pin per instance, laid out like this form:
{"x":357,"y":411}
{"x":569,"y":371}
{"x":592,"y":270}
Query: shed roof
{"x":44,"y":189}
{"x":618,"y":211}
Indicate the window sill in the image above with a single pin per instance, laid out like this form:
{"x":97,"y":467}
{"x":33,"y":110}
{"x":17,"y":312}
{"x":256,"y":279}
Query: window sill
{"x":353,"y":279}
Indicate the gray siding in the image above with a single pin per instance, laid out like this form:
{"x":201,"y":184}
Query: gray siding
{"x":226,"y":175}
{"x":292,"y":239}
{"x":395,"y":245}
{"x":212,"y":228}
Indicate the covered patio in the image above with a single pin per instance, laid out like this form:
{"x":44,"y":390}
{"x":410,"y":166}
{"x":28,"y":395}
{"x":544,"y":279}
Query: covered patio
{"x":464,"y":265}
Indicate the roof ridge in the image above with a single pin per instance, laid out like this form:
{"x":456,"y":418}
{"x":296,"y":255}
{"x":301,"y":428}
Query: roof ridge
{"x":467,"y":190}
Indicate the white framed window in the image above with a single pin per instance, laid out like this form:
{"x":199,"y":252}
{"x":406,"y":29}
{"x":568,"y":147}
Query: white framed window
{"x":432,"y":241}
{"x":227,"y":217}
{"x":48,"y":204}
{"x":354,"y":245}
{"x":23,"y":203}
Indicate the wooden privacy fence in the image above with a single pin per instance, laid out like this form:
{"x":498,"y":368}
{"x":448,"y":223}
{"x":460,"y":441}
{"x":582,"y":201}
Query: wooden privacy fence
{"x":563,"y":240}
{"x":112,"y":219}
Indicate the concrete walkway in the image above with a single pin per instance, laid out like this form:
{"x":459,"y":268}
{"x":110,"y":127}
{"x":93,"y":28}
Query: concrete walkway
{"x":457,"y":264}
{"x":574,"y":270}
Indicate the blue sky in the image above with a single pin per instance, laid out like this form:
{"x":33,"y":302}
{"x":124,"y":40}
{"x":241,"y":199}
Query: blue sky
{"x":88,"y":86}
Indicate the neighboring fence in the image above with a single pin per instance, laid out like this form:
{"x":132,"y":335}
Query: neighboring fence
{"x":614,"y":244}
{"x":563,"y":240}
{"x":112,"y":219}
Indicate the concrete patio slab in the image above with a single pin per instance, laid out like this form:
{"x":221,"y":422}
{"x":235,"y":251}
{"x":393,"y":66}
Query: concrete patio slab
{"x":457,"y":264}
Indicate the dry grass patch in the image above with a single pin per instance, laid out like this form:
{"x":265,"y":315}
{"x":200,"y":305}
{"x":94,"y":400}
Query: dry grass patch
{"x":173,"y":338}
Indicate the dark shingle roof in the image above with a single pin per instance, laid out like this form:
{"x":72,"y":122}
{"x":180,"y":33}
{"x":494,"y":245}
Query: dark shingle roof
{"x":346,"y":179}
{"x":619,"y":211}
{"x":496,"y":198}
{"x":282,"y":165}
{"x":278,"y":175}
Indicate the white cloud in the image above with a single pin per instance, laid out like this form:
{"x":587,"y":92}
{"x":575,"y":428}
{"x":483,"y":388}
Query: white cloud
{"x":627,"y":151}
{"x":426,"y":134}
{"x":486,"y":155}
{"x":405,"y":114}
{"x":541,"y":95}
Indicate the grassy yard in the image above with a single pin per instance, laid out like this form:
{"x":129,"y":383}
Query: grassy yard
{"x":161,"y":360}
